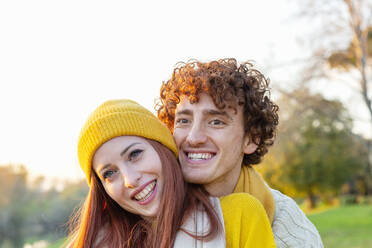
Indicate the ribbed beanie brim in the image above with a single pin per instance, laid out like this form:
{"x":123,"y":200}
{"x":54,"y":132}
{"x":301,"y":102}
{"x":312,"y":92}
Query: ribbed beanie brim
{"x":118,"y":118}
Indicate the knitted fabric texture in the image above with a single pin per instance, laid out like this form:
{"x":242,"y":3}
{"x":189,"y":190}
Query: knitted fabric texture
{"x":250,"y":181}
{"x":118,"y":118}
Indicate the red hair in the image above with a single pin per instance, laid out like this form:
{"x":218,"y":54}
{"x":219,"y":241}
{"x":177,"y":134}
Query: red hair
{"x":112,"y":226}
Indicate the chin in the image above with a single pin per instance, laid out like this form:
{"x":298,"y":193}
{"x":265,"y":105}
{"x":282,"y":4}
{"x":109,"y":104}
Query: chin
{"x":196,"y":178}
{"x":149,"y":216}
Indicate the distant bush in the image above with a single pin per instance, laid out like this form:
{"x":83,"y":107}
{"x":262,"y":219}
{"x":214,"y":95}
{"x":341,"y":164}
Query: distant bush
{"x":348,"y":199}
{"x":366,"y":200}
{"x":29,"y":212}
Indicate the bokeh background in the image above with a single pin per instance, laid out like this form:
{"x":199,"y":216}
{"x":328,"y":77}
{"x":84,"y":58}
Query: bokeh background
{"x":61,"y":59}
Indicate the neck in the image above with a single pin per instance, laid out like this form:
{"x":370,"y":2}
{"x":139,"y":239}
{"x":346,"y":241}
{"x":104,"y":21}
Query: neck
{"x":149,"y":219}
{"x":225,"y":184}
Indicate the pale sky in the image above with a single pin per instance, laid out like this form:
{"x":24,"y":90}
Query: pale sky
{"x":60,"y":59}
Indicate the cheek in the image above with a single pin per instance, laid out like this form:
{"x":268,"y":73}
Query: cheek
{"x":178,"y":136}
{"x":114,"y":191}
{"x":159,"y":167}
{"x":231,"y":140}
{"x":151,"y":165}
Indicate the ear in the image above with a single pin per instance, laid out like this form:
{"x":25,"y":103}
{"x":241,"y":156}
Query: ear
{"x":249,"y":146}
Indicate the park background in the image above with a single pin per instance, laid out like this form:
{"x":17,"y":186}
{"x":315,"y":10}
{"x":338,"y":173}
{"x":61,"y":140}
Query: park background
{"x":61,"y":59}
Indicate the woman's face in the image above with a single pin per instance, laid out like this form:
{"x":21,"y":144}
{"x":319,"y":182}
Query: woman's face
{"x":131,"y":173}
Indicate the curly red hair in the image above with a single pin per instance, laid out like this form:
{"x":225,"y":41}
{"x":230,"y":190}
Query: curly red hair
{"x":230,"y":85}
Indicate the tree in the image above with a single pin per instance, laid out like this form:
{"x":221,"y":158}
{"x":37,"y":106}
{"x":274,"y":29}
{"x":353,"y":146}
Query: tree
{"x":345,"y":45}
{"x":13,"y":192}
{"x":315,"y":152}
{"x":27,"y":210}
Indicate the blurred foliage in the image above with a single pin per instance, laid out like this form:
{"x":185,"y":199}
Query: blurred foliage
{"x":343,"y":42}
{"x":28,"y":212}
{"x":347,"y":59}
{"x":316,"y":152}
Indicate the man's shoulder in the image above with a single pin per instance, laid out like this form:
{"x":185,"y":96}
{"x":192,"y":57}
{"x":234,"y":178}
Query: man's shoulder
{"x":283,"y":200}
{"x":291,"y":227}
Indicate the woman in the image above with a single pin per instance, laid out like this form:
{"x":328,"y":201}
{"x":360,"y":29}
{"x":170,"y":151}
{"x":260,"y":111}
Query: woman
{"x":138,"y":197}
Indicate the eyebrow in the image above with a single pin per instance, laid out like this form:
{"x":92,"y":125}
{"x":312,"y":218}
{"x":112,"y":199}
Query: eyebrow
{"x":205,"y":112}
{"x":216,"y":112}
{"x":127,"y":148}
{"x":184,"y":112}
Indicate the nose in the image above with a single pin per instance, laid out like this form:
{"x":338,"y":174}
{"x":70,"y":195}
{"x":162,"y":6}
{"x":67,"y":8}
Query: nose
{"x":131,"y":177}
{"x":196,"y":135}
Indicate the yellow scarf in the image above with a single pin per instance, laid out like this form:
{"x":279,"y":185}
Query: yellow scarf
{"x":250,"y":181}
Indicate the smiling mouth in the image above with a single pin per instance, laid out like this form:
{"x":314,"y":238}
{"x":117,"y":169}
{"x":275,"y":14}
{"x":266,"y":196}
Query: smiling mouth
{"x":199,"y":156}
{"x":146,"y":192}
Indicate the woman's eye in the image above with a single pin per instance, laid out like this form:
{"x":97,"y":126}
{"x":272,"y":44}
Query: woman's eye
{"x":134,"y":154}
{"x":108,"y":174}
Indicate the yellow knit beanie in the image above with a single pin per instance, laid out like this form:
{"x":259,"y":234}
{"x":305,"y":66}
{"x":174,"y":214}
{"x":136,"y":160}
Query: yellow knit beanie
{"x":118,"y":118}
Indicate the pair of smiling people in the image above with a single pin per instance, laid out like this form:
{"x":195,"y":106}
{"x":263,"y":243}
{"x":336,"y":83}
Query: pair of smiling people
{"x":205,"y":137}
{"x":138,"y":197}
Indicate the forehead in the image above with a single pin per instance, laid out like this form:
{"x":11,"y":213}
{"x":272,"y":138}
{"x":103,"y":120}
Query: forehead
{"x":205,"y":104}
{"x":204,"y":100}
{"x":122,"y":140}
{"x":116,"y":144}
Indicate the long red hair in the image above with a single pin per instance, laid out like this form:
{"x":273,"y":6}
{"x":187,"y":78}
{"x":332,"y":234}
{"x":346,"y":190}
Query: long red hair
{"x":101,"y":222}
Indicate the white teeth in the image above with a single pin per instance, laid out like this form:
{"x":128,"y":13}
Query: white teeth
{"x":146,"y":192}
{"x":199,"y":156}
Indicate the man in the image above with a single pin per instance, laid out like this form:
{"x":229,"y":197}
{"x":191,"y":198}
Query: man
{"x":223,"y":122}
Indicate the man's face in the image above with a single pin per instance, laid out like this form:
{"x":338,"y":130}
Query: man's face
{"x":211,"y":141}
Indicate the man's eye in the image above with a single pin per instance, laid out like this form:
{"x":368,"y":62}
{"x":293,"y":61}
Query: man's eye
{"x":217,"y":122}
{"x":134,"y":154}
{"x":108,"y":174}
{"x":182,"y":121}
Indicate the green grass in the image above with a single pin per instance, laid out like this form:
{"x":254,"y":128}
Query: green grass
{"x":345,"y":226}
{"x":57,"y":244}
{"x":341,"y":227}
